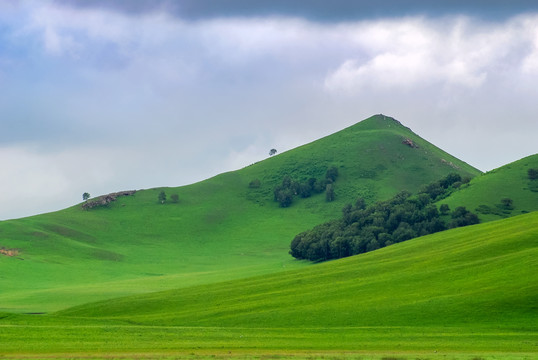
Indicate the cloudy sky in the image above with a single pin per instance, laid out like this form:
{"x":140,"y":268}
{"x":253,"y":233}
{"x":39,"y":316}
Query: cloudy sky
{"x":102,"y":96}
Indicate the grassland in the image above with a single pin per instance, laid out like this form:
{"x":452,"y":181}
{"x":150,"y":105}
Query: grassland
{"x":219,"y":230}
{"x":461,"y":294}
{"x":485,"y":192}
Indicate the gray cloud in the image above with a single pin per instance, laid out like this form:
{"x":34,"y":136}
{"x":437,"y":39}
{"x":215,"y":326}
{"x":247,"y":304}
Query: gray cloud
{"x":317,"y":10}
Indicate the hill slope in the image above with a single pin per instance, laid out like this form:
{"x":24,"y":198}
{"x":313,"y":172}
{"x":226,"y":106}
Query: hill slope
{"x":220,"y":229}
{"x":474,"y":276}
{"x":485,"y":193}
{"x":468,"y":290}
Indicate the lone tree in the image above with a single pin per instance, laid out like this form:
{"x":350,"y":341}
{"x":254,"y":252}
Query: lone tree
{"x":272,"y":152}
{"x":85,"y":196}
{"x":162,"y":197}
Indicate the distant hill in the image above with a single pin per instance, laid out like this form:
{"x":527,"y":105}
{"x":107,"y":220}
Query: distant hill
{"x":485,"y":193}
{"x":376,"y":158}
{"x":219,"y":229}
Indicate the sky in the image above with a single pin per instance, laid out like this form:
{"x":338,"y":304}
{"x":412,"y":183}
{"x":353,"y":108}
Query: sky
{"x":100,"y":96}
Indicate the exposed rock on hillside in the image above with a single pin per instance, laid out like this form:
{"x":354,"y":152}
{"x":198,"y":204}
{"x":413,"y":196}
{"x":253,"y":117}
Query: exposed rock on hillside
{"x":410,"y":143}
{"x":450,"y":163}
{"x":105,"y":199}
{"x":9,"y":252}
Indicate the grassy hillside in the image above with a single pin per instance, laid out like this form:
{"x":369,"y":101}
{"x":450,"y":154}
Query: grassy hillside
{"x":485,"y":193}
{"x":468,"y":291}
{"x":479,"y":275}
{"x":219,"y":230}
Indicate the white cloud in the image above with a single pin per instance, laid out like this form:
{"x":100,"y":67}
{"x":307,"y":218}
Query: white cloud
{"x":530,"y":62}
{"x":414,"y":53}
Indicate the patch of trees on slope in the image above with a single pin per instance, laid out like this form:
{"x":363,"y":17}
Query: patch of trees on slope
{"x":362,"y":229}
{"x":290,"y":188}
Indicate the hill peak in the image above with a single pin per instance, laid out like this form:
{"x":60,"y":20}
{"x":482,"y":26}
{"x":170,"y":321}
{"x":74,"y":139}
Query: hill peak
{"x":380,"y":121}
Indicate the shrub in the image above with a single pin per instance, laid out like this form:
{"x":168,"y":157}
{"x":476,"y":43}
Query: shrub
{"x":254,"y":184}
{"x":507,"y":203}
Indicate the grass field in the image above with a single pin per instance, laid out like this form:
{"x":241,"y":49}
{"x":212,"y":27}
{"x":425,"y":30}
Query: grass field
{"x":468,"y":293}
{"x":488,"y":190}
{"x":219,"y":230}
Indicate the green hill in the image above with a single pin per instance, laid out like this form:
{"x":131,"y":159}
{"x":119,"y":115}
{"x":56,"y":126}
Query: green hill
{"x":485,"y":193}
{"x":220,"y":229}
{"x":478,"y":275}
{"x":463,"y":291}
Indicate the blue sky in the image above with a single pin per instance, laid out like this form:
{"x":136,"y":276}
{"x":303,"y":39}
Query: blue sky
{"x":102,"y":96}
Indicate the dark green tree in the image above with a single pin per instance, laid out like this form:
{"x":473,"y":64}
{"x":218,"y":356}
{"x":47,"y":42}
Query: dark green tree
{"x":532,"y":174}
{"x":462,"y":217}
{"x":85,"y":196}
{"x":403,"y":232}
{"x":449,"y":180}
{"x":305,"y":190}
{"x":284,"y":197}
{"x":174,"y":198}
{"x":372,"y":245}
{"x":331,"y":174}
{"x":162,"y":197}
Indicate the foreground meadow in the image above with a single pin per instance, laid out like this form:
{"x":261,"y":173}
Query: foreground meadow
{"x":468,"y":293}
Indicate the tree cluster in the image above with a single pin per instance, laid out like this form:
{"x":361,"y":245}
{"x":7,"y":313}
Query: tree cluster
{"x":289,"y":188}
{"x":362,"y":229}
{"x":162,"y":197}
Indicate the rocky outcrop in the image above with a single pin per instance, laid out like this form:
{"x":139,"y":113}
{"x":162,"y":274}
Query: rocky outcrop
{"x":105,"y":199}
{"x":451,"y":164}
{"x":9,"y":252}
{"x":410,"y":143}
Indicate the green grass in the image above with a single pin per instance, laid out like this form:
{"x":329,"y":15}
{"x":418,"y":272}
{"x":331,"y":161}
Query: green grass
{"x":479,"y":275}
{"x":509,"y":181}
{"x":461,"y":294}
{"x":220,"y":229}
